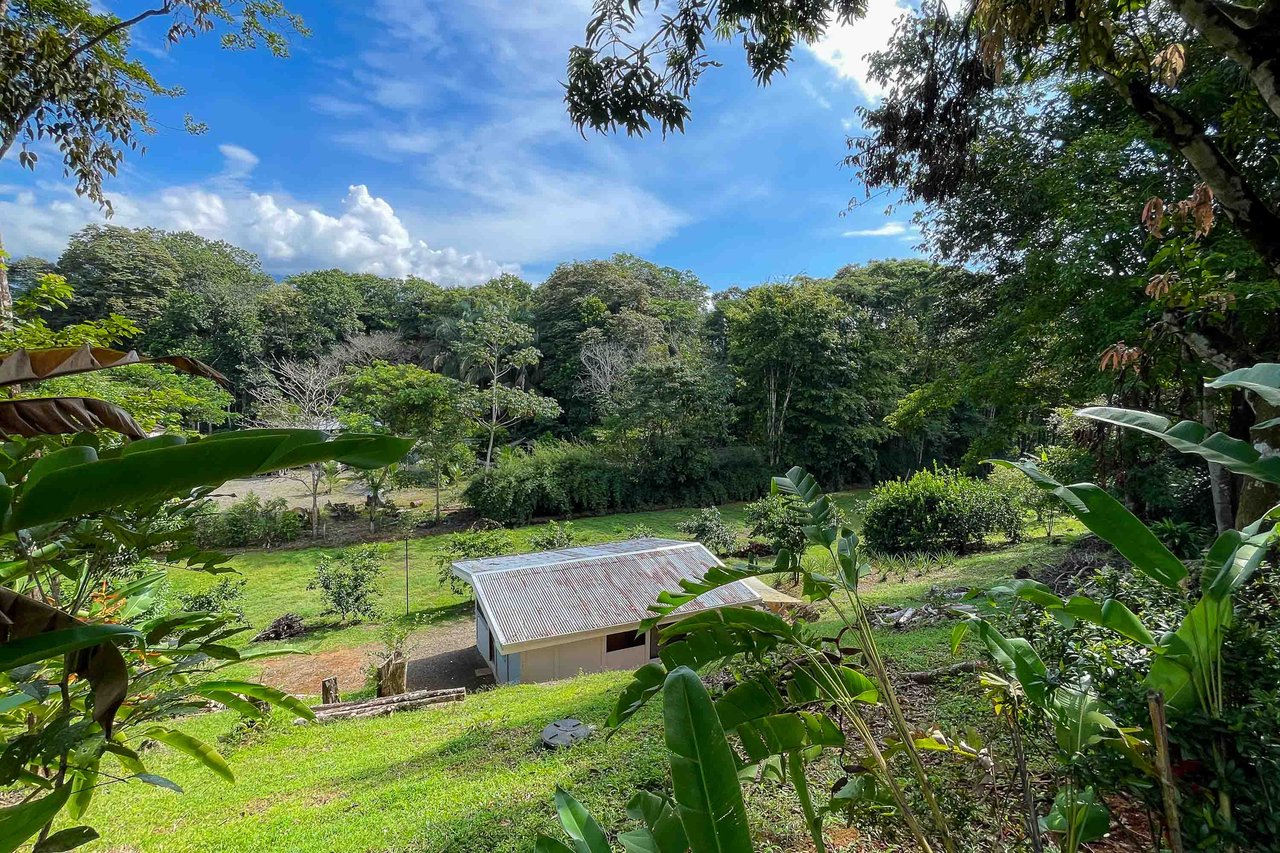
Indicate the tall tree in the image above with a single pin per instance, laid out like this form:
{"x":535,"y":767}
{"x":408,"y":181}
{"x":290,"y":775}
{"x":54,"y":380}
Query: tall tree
{"x":403,"y":399}
{"x":68,"y":75}
{"x":497,"y":351}
{"x":117,"y":270}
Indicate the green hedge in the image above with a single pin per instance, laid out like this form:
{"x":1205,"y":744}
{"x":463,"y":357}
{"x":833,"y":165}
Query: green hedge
{"x":559,"y":478}
{"x":936,"y":510}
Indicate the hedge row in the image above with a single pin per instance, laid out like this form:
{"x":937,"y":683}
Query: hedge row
{"x":563,"y":478}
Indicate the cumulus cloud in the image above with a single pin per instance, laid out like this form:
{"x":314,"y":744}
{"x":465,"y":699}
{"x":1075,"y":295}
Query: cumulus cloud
{"x":889,"y":229}
{"x":844,"y":48}
{"x":364,"y":235}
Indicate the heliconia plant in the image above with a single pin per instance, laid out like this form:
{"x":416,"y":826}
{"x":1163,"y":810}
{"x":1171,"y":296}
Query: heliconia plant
{"x":1186,"y":664}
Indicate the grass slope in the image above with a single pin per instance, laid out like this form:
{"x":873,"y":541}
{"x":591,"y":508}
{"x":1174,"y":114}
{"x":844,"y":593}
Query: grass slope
{"x":466,"y":777}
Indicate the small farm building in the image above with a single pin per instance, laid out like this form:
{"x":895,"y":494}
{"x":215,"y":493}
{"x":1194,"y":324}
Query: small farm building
{"x":554,"y":614}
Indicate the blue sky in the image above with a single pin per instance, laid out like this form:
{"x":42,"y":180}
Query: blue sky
{"x":428,"y":137}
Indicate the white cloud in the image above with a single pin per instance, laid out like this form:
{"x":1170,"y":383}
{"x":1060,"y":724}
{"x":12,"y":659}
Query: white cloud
{"x":844,"y":47}
{"x":482,"y":132}
{"x":889,"y":229}
{"x":365,"y":235}
{"x":240,"y":162}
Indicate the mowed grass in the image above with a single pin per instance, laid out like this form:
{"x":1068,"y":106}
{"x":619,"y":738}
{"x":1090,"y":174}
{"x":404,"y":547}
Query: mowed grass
{"x":462,"y":777}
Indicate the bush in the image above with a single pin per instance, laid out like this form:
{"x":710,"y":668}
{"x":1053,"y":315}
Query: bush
{"x":557,"y":534}
{"x":935,"y":511}
{"x":249,"y":521}
{"x":780,"y":520}
{"x":709,"y":528}
{"x":568,"y":478}
{"x":226,"y":598}
{"x":347,"y":581}
{"x":475,"y":544}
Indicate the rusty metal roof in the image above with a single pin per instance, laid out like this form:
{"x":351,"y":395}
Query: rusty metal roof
{"x":529,"y":599}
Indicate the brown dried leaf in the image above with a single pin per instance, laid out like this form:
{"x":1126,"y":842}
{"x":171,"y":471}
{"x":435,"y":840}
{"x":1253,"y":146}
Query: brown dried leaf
{"x":102,"y":665}
{"x":1153,"y":216}
{"x":1169,"y":64}
{"x":60,"y":415}
{"x":32,"y":365}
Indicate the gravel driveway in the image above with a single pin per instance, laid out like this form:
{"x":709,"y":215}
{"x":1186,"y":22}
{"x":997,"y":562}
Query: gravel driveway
{"x":446,"y":656}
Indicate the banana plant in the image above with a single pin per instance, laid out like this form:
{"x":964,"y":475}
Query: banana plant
{"x":88,"y":670}
{"x":778,"y":716}
{"x":706,"y":813}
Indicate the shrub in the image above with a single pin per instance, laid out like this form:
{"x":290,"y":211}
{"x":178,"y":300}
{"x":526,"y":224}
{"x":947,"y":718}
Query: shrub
{"x":557,"y":534}
{"x":780,"y":520}
{"x":249,"y":521}
{"x":226,"y":598}
{"x":935,"y":511}
{"x":475,"y":544}
{"x":709,"y":528}
{"x":570,"y":478}
{"x":347,"y":581}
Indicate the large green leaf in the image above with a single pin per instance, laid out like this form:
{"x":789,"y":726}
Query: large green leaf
{"x":1192,"y":437}
{"x":704,"y":773}
{"x":173,"y":469}
{"x":18,"y":823}
{"x":749,"y":700}
{"x":50,"y":644}
{"x":661,"y":832}
{"x":779,"y":734}
{"x":1261,"y":379}
{"x":1107,"y":518}
{"x":194,"y":747}
{"x":270,"y":695}
{"x":587,"y":835}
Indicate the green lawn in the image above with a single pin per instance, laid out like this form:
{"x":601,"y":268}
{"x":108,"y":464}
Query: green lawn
{"x":464,"y":777}
{"x":470,"y":776}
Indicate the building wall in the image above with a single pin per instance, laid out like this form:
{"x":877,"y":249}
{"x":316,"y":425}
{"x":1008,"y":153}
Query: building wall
{"x":568,"y":659}
{"x":482,"y":634}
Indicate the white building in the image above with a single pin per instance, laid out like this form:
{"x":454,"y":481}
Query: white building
{"x":555,"y":614}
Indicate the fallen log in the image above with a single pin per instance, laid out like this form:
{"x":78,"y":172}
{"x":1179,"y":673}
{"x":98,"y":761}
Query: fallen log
{"x":359,"y":711}
{"x":391,"y":700}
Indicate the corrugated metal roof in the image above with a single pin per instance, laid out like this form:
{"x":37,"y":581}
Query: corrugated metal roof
{"x":530,"y":598}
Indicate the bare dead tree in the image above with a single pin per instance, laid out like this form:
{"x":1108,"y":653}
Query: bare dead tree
{"x":305,"y":395}
{"x":604,"y":364}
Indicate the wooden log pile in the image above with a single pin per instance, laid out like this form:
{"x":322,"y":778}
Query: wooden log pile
{"x":361,"y":708}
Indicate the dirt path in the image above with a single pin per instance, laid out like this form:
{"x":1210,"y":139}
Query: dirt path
{"x":443,"y":655}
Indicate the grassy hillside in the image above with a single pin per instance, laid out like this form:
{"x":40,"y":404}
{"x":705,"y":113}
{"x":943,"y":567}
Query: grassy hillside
{"x":471,"y":776}
{"x":464,"y":777}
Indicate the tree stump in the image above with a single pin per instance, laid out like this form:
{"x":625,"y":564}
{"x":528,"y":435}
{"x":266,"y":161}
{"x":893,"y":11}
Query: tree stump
{"x":391,"y":675}
{"x":329,"y":690}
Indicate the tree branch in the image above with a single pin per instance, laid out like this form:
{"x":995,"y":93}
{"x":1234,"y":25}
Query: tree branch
{"x":1252,"y":46}
{"x":1240,"y":202}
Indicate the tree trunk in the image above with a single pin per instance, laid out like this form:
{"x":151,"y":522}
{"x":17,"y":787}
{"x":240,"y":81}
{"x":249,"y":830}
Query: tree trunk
{"x":6,"y":296}
{"x":438,"y":475}
{"x":1257,"y":497}
{"x":1251,"y":44}
{"x":1243,"y":206}
{"x":1219,"y":477}
{"x":315,"y":499}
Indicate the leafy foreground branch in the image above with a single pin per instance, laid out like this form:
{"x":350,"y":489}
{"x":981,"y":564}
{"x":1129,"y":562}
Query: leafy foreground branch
{"x":94,"y":670}
{"x":807,"y":693}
